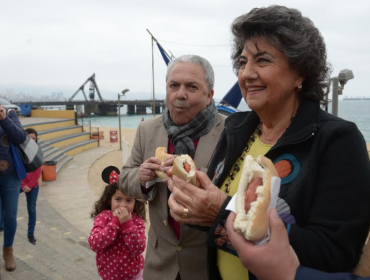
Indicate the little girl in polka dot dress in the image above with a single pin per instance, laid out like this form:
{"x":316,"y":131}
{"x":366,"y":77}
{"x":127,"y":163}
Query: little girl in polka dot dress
{"x":118,"y":236}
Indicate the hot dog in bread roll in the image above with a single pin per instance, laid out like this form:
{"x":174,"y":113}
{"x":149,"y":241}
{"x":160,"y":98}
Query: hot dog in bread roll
{"x":184,"y":167}
{"x":252,"y":203}
{"x":161,"y":154}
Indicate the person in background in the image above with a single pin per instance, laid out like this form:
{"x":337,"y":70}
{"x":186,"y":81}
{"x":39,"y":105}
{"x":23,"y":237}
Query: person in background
{"x":30,"y":186}
{"x":281,"y":62}
{"x":276,"y":260}
{"x":190,"y":124}
{"x":118,"y":236}
{"x":10,"y":184}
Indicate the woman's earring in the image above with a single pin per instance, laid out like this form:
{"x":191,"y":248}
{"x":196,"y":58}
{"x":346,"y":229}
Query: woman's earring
{"x":299,"y":87}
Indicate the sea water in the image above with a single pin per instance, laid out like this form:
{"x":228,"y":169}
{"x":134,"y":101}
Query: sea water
{"x":357,"y":111}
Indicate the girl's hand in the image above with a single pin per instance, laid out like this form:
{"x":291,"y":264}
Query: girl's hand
{"x":122,"y":214}
{"x":26,"y":189}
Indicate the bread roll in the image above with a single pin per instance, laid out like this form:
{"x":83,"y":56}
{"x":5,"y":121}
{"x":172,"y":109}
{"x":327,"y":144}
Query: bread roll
{"x":253,"y":223}
{"x":184,"y":167}
{"x":161,"y":154}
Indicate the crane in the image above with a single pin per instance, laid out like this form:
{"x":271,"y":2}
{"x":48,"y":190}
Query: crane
{"x":93,"y":86}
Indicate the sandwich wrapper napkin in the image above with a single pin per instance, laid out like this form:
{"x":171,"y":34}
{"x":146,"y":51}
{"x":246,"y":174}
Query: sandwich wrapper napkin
{"x":275,"y":189}
{"x":151,"y":183}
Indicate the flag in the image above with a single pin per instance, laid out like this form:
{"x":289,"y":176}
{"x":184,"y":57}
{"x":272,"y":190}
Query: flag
{"x":165,"y":56}
{"x":233,"y":96}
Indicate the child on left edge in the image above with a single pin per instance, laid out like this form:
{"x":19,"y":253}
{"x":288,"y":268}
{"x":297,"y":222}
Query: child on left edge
{"x":118,"y":236}
{"x":30,"y":186}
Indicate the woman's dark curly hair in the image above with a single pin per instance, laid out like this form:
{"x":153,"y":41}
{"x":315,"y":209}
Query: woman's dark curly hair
{"x":104,"y":203}
{"x":293,"y":35}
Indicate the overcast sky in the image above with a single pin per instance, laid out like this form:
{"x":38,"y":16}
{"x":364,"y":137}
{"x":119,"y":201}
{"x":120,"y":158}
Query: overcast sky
{"x":55,"y":45}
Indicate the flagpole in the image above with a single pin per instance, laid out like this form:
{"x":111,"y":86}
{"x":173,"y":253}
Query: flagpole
{"x":166,"y":58}
{"x":153,"y":106}
{"x":153,"y":38}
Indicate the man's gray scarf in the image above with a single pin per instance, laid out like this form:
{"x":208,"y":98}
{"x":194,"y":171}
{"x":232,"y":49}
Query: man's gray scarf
{"x":182,"y":137}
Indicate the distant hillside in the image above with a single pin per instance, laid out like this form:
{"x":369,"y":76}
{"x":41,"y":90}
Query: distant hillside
{"x":129,"y":95}
{"x":21,"y":93}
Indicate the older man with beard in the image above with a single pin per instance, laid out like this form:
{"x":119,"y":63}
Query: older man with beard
{"x":189,"y":125}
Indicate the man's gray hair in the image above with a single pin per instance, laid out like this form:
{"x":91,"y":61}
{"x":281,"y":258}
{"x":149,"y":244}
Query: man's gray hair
{"x":196,"y":59}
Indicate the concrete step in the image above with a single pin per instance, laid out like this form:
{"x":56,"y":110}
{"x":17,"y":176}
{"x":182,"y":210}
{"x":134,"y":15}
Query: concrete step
{"x":50,"y":151}
{"x":46,"y":149}
{"x":59,"y":157}
{"x":79,"y":147}
{"x":66,"y":140}
{"x":56,"y":156}
{"x":63,"y":162}
{"x":46,"y":124}
{"x":58,"y":132}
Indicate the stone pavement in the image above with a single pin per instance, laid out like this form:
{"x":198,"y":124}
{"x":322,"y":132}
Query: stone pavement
{"x":62,"y":229}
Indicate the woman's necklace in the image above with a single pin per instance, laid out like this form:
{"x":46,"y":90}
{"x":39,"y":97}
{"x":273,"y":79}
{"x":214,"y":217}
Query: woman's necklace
{"x":240,"y":160}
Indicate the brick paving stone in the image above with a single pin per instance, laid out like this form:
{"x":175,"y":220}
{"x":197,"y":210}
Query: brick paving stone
{"x":56,"y":255}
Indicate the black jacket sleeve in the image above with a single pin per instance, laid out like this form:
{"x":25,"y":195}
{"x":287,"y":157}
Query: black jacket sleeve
{"x":12,"y":126}
{"x":338,"y":221}
{"x":304,"y":273}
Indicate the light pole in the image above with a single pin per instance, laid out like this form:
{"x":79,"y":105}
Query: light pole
{"x":342,"y":79}
{"x":119,"y":117}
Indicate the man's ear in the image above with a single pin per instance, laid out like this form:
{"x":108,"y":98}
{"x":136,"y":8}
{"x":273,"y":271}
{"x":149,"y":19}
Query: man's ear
{"x":210,"y":96}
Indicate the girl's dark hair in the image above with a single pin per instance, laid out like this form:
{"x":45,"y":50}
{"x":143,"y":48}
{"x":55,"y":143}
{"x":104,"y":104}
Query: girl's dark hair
{"x":292,"y":34}
{"x":31,"y":130}
{"x":140,"y":208}
{"x":104,"y":203}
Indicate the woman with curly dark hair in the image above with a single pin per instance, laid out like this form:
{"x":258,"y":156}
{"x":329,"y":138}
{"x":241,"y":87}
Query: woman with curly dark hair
{"x":118,"y":236}
{"x":281,"y":62}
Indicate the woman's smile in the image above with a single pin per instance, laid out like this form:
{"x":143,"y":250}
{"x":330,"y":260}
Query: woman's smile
{"x":254,"y":89}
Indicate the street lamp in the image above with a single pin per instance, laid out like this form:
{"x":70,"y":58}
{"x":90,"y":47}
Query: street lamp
{"x":342,"y":79}
{"x":119,"y":116}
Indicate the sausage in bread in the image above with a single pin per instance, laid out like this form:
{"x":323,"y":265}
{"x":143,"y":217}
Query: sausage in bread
{"x":252,"y":204}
